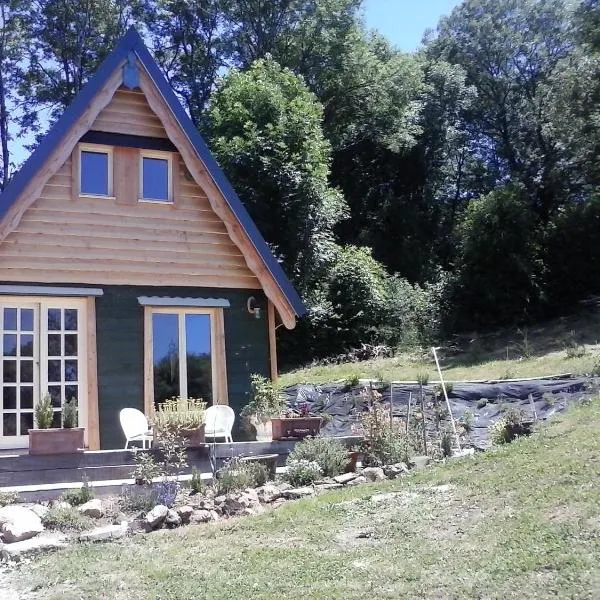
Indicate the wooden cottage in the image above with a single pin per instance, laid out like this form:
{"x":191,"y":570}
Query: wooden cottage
{"x":130,"y":271}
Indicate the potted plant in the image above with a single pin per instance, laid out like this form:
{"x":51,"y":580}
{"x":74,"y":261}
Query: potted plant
{"x":182,"y":417}
{"x":45,"y":439}
{"x":266,"y":403}
{"x":296,"y":424}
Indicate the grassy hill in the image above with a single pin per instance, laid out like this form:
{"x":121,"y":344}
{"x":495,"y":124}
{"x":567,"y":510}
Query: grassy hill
{"x":565,"y":345}
{"x":521,"y":521}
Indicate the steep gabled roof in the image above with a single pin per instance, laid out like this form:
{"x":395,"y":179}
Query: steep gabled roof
{"x":133,"y":43}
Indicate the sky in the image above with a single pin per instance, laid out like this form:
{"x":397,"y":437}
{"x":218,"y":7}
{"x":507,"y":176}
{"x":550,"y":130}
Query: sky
{"x":403,"y":22}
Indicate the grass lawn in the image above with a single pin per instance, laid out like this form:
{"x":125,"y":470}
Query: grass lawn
{"x":540,"y":350}
{"x":521,"y":521}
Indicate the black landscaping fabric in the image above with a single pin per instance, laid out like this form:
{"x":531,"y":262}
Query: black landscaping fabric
{"x":344,"y":405}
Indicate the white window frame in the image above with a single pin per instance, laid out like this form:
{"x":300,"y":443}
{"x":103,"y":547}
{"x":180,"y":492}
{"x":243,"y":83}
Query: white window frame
{"x":168,"y":156}
{"x":98,"y":149}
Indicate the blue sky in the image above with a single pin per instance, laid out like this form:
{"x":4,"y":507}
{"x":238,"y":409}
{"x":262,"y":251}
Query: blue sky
{"x":404,"y":21}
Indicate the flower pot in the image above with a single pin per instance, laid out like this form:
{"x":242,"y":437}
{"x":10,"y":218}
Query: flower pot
{"x":55,"y":441}
{"x":352,"y":460}
{"x":295,"y":427}
{"x":264,"y":429}
{"x":194,"y":438}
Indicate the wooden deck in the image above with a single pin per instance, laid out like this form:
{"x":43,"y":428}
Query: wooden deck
{"x":21,"y":472}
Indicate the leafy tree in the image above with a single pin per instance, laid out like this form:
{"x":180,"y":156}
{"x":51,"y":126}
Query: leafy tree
{"x":69,"y":39}
{"x":266,"y":132}
{"x":13,"y":40}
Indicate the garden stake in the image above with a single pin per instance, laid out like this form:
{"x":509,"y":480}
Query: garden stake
{"x":408,"y":411}
{"x":423,"y":417}
{"x":535,"y":417}
{"x":437,"y":364}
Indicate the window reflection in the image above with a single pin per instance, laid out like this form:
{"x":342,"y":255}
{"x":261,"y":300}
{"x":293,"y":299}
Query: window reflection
{"x":198,"y":356}
{"x":165,"y":340}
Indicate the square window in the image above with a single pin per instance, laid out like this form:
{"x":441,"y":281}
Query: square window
{"x":94,"y":173}
{"x":156,"y":179}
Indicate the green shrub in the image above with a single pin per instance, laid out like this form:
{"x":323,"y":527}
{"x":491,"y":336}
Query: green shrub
{"x":80,"y":495}
{"x":197,"y":484}
{"x":146,"y":468}
{"x":137,"y":499}
{"x":44,"y":414}
{"x":499,"y":432}
{"x":239,"y":474}
{"x":66,"y":519}
{"x":7,"y":498}
{"x":69,"y":414}
{"x":302,"y":472}
{"x":266,"y":401}
{"x":330,"y":454}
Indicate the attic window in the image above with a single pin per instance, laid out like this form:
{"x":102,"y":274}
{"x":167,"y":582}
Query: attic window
{"x":156,"y":177}
{"x":95,"y":168}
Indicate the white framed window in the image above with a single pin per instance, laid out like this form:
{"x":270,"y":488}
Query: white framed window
{"x":95,"y":171}
{"x":156,"y":177}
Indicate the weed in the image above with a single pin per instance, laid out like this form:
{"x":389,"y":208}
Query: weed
{"x":573,"y":349}
{"x":499,"y":432}
{"x":79,"y":496}
{"x":446,"y":444}
{"x":197,"y":484}
{"x":137,"y":499}
{"x":238,"y":474}
{"x":524,"y":347}
{"x":352,"y":381}
{"x":146,"y":467}
{"x":549,"y":400}
{"x":466,"y":420}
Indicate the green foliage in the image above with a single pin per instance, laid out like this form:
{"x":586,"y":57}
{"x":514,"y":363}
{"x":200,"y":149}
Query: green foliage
{"x":44,"y":414}
{"x":197,"y":484}
{"x":7,"y":498}
{"x":70,"y":416}
{"x":330,"y":454}
{"x":78,"y":496}
{"x":467,"y":419}
{"x":239,"y":474}
{"x":146,"y":467}
{"x":302,"y":472}
{"x":177,"y":415}
{"x":66,"y":519}
{"x":137,"y":499}
{"x":549,"y":399}
{"x":266,"y":401}
{"x":498,"y":432}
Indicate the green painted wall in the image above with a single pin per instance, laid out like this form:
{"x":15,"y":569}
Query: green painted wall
{"x":120,"y":335}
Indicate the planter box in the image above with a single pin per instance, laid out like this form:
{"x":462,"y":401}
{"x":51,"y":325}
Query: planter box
{"x":194,"y":438}
{"x":55,"y":441}
{"x":295,"y":427}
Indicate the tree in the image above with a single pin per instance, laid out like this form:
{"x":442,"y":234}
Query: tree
{"x":266,"y":132}
{"x":69,"y":39}
{"x":13,"y":40}
{"x":190,"y":44}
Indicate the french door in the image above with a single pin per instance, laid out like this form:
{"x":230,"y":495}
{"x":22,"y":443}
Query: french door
{"x":43,"y":352}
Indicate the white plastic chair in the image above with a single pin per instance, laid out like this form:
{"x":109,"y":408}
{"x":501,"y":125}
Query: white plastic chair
{"x":219,"y":422}
{"x":135,"y":427}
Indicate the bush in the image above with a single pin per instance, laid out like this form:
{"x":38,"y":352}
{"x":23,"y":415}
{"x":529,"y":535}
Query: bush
{"x":70,"y":414}
{"x":78,"y":496}
{"x":302,"y":472}
{"x":239,"y":474}
{"x":499,"y":432}
{"x":197,"y":484}
{"x":330,"y":454}
{"x":137,"y":499}
{"x":7,"y":498}
{"x":44,"y":414}
{"x":66,"y":519}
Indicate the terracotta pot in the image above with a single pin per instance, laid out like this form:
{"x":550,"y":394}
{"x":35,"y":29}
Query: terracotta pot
{"x":295,"y":427}
{"x":194,"y":438}
{"x":55,"y":441}
{"x":352,"y":460}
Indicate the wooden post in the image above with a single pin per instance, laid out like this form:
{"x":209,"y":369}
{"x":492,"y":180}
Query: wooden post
{"x":437,"y":364}
{"x":93,"y":424}
{"x":408,"y":411}
{"x":272,"y":341}
{"x":423,"y":417}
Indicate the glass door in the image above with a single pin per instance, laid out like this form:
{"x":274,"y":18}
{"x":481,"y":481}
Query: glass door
{"x":19,"y":372}
{"x":43,"y":352}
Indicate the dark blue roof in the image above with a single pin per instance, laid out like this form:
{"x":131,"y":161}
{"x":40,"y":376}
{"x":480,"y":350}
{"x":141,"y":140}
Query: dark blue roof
{"x":132,"y":41}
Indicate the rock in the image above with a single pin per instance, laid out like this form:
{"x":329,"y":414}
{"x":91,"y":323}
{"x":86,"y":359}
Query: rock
{"x":36,"y":545}
{"x":252,"y":495}
{"x":93,"y":509}
{"x":220,"y":499}
{"x":420,"y":462}
{"x":185,"y":513}
{"x":295,"y":493}
{"x":172,"y":519}
{"x":268,"y":493}
{"x":235,"y":504}
{"x":360,"y":479}
{"x":40,"y":510}
{"x":393,"y":471}
{"x":201,"y":516}
{"x":18,"y":523}
{"x":345,"y":478}
{"x":328,"y":486}
{"x":206,"y":504}
{"x":108,"y":532}
{"x":277,"y":503}
{"x":155,"y":518}
{"x":214,"y":515}
{"x":373,"y":474}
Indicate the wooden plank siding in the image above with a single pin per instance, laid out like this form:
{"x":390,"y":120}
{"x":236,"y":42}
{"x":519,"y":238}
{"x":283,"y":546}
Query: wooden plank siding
{"x":128,"y":112}
{"x":70,"y":239}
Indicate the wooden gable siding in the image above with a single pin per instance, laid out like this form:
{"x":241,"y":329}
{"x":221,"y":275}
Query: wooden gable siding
{"x":64,"y":238}
{"x":129,"y":113}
